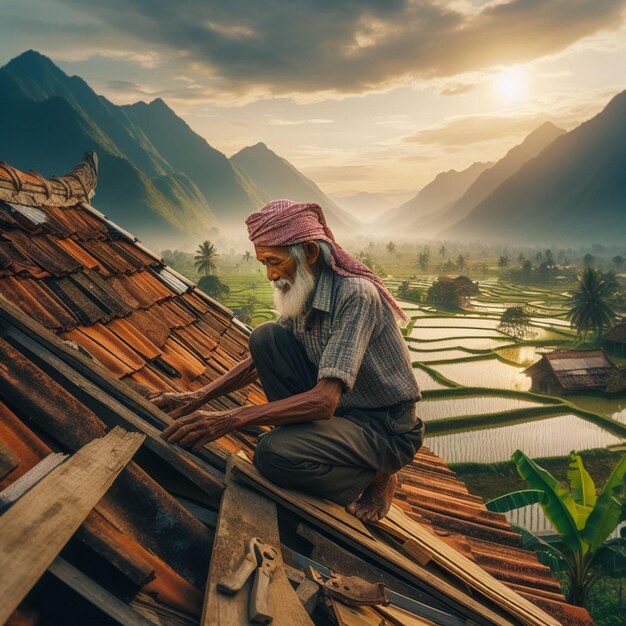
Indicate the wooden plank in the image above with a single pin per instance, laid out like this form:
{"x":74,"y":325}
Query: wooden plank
{"x":375,"y":549}
{"x":195,"y":469}
{"x":20,"y":486}
{"x":245,"y":514}
{"x":400,"y":617}
{"x":35,"y":529}
{"x":467,"y":571}
{"x":95,"y":594}
{"x":356,"y":615}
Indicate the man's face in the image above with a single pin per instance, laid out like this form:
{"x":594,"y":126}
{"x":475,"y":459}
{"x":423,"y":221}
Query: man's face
{"x":278,"y":262}
{"x":292,"y":279}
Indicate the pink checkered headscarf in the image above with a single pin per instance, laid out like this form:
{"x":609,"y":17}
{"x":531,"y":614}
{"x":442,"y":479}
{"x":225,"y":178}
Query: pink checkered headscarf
{"x":285,"y":223}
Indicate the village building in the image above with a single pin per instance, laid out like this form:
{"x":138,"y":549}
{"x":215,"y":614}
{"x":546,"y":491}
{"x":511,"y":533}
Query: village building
{"x":103,"y":522}
{"x":615,"y":339}
{"x":566,"y":371}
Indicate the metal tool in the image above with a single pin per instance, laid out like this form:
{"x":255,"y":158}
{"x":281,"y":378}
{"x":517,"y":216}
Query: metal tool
{"x":350,"y":590}
{"x":261,"y":560}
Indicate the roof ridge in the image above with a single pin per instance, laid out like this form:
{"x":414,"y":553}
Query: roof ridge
{"x":32,"y":189}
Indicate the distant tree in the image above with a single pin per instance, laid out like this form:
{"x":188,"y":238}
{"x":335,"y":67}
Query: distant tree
{"x":549,"y":258}
{"x":590,"y":305}
{"x":521,"y":258}
{"x":409,"y":293}
{"x":245,"y":313}
{"x":539,"y":257}
{"x":503,"y":261}
{"x":618,"y":261}
{"x":444,"y":294}
{"x":423,"y":259}
{"x":442,"y":251}
{"x":515,"y":321}
{"x":205,"y":258}
{"x":391,"y":246}
{"x":213,"y":286}
{"x":527,"y":267}
{"x":247,"y":256}
{"x":460,"y":262}
{"x":451,"y":293}
{"x":588,"y":260}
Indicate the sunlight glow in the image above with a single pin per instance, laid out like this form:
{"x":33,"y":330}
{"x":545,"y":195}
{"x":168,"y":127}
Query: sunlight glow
{"x":512,"y":83}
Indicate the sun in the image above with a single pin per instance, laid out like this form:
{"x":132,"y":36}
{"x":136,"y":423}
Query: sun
{"x":511,"y":84}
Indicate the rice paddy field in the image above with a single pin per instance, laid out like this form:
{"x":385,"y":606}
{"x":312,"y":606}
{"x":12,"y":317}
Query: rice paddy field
{"x":477,"y":403}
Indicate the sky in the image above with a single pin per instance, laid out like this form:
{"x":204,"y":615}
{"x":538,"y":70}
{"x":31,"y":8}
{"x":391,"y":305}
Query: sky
{"x":374,"y":96}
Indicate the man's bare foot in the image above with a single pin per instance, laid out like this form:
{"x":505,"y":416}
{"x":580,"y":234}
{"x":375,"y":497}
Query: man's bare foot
{"x":374,"y":503}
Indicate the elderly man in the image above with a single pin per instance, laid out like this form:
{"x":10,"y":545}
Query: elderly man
{"x":335,"y":369}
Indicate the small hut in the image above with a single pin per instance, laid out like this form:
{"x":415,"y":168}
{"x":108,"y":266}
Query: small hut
{"x":566,"y":371}
{"x":615,"y":338}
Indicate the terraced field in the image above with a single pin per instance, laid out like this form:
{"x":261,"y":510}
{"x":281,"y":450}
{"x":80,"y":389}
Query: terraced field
{"x":476,"y":400}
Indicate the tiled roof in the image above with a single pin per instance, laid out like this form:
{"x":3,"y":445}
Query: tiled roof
{"x":89,"y":282}
{"x":617,"y":333}
{"x":575,"y":369}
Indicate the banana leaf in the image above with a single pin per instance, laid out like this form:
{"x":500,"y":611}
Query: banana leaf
{"x":606,"y":515}
{"x":559,"y":507}
{"x":546,"y":553}
{"x":515,"y":500}
{"x":583,"y":487}
{"x":610,"y":559}
{"x":608,"y":510}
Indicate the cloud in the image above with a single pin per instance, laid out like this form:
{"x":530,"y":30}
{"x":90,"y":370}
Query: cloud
{"x":310,"y":46}
{"x":472,"y":129}
{"x":456,"y":89}
{"x":276,"y":121}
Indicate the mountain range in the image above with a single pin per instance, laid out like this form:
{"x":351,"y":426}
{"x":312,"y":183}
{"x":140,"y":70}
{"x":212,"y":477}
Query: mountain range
{"x":157,"y":177}
{"x":162,"y":180}
{"x":436,"y":196}
{"x":572,"y":191}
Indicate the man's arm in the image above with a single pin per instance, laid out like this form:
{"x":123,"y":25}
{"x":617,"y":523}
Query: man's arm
{"x":183,"y":403}
{"x":201,"y":427}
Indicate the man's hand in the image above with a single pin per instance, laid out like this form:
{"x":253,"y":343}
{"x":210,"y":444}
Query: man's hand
{"x":168,"y":401}
{"x":196,"y":430}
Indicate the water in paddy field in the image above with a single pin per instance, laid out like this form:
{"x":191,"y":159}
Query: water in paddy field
{"x":427,"y":334}
{"x":440,"y":408}
{"x":458,"y":322}
{"x":614,"y":407}
{"x":523,"y":355}
{"x":471,"y":343}
{"x":425,"y":381}
{"x":438,"y":355}
{"x":486,"y":373}
{"x":552,"y":436}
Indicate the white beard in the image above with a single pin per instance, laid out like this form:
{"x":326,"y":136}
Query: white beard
{"x":290,"y":299}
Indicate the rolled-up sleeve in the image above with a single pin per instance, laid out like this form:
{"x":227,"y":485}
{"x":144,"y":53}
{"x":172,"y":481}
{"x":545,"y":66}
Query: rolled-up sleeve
{"x":351,"y":331}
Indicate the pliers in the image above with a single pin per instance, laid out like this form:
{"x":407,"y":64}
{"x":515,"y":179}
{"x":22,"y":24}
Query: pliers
{"x":261,"y":560}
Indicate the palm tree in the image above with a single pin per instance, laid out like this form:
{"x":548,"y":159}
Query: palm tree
{"x":204,"y":261}
{"x":583,"y":520}
{"x":590,"y":304}
{"x":247,"y":256}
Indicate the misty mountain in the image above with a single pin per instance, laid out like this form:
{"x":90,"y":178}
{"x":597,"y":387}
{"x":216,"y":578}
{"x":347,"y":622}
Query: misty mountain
{"x":573,"y":191}
{"x":275,"y":177}
{"x":439,"y":194}
{"x":490,"y":179}
{"x":368,"y":205}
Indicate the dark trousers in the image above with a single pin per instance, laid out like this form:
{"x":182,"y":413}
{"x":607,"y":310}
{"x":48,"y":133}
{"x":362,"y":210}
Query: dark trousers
{"x":336,"y":458}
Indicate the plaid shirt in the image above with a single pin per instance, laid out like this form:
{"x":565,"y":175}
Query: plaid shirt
{"x":350,"y":334}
